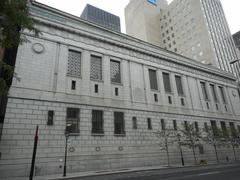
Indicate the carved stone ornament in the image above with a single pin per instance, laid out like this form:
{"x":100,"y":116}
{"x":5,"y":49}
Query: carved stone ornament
{"x":234,"y":93}
{"x":38,"y":48}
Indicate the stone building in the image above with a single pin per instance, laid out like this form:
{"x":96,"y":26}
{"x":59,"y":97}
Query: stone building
{"x":110,"y":92}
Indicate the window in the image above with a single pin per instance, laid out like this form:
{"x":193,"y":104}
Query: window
{"x":96,"y":88}
{"x":174,"y":124}
{"x":204,"y":90}
{"x":134,"y":120}
{"x":196,"y":126}
{"x":116,"y":91}
{"x":206,"y":127}
{"x":153,"y":79}
{"x":163,"y":124}
{"x":186,"y":126}
{"x":224,"y":128}
{"x":115,"y":71}
{"x":233,"y":129}
{"x":73,"y":85}
{"x":74,"y":63}
{"x":155,"y":98}
{"x":96,"y":68}
{"x":182,"y":102}
{"x":179,"y":85}
{"x":149,"y":122}
{"x":214,"y":128}
{"x":97,"y":122}
{"x":238,"y":126}
{"x":50,"y":118}
{"x":119,"y":127}
{"x":169,"y":100}
{"x":201,"y":149}
{"x":166,"y":82}
{"x":214,"y":92}
{"x":72,"y":120}
{"x":222,"y":94}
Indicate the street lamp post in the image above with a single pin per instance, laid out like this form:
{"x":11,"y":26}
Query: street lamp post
{"x":65,"y":157}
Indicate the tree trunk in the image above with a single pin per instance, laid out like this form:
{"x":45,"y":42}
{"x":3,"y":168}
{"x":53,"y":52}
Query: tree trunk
{"x":215,"y":148}
{"x":194,"y":154}
{"x":234,"y":152}
{"x":168,"y":161}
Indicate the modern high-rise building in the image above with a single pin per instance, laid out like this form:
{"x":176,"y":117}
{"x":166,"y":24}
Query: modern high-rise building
{"x":142,"y":19}
{"x":197,"y":29}
{"x":101,"y":17}
{"x":236,"y":38}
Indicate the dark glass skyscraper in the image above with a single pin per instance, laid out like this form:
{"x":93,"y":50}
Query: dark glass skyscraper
{"x":101,"y":17}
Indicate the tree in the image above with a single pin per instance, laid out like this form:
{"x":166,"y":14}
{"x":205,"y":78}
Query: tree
{"x":232,"y":137}
{"x":14,"y":18}
{"x":190,"y":137}
{"x":166,"y":137}
{"x":213,"y":136}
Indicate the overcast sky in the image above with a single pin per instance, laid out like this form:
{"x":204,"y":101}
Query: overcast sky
{"x":75,"y":7}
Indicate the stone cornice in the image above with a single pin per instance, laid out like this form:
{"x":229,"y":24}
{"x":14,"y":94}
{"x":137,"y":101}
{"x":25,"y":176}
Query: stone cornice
{"x":122,"y":43}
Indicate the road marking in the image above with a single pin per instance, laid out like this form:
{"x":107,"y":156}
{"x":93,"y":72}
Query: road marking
{"x":209,"y":173}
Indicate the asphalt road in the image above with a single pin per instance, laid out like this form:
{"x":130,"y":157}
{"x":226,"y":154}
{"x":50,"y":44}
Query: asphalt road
{"x":205,"y":173}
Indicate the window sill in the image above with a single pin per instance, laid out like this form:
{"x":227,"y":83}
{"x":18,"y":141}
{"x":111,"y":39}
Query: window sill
{"x":120,"y":135}
{"x":72,"y":76}
{"x":97,"y":80}
{"x":97,"y":134}
{"x":73,"y":134}
{"x":116,"y":84}
{"x":155,"y":90}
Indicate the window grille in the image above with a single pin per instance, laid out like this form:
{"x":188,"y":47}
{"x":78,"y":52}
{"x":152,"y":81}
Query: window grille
{"x":204,"y":90}
{"x":74,"y":63}
{"x":178,"y":80}
{"x":119,"y":127}
{"x":72,"y":120}
{"x":115,"y":71}
{"x":153,"y":79}
{"x":96,"y":68}
{"x":166,"y":82}
{"x":97,"y":121}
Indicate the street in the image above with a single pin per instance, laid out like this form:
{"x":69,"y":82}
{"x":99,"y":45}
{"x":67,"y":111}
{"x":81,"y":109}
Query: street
{"x":192,"y":173}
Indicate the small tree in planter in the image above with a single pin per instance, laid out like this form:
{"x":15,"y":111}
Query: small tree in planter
{"x":166,"y":137}
{"x":213,"y":136}
{"x":190,"y":137}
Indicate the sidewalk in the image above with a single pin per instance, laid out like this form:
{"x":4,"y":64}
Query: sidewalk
{"x":161,"y":169}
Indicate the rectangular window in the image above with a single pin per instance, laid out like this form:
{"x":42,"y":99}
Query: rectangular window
{"x":163,"y":124}
{"x":72,"y":120}
{"x":214,"y":127}
{"x":119,"y":126}
{"x":166,"y":82}
{"x":96,"y":68}
{"x":96,"y":88}
{"x":233,"y":129}
{"x":238,"y":126}
{"x":178,"y":80}
{"x":116,"y":91}
{"x":206,"y":127}
{"x":134,"y":120}
{"x":115,"y":71}
{"x":222,"y":94}
{"x":149,"y":122}
{"x":97,"y":122}
{"x":155,"y":98}
{"x":74,"y":63}
{"x":224,"y":128}
{"x":73,"y":85}
{"x":50,"y":118}
{"x":204,"y":90}
{"x":186,"y":126}
{"x":196,"y":126}
{"x":213,"y":89}
{"x":174,"y":124}
{"x":153,"y":79}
